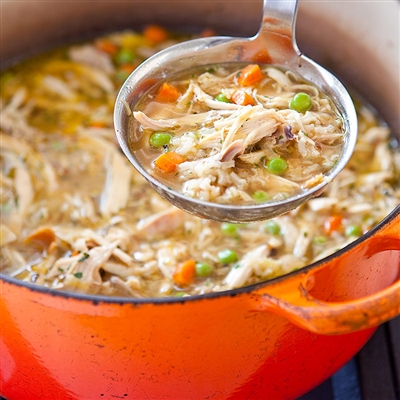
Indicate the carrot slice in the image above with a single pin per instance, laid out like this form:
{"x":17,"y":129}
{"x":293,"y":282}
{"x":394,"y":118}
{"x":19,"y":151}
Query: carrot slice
{"x":333,"y":223}
{"x":242,"y":98}
{"x":155,"y":33}
{"x":127,"y":68}
{"x":168,"y":161}
{"x":107,"y":46}
{"x":185,"y":273}
{"x":250,"y":75}
{"x":168,"y":93}
{"x":97,"y":124}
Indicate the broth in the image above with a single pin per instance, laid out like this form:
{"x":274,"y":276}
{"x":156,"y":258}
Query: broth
{"x":77,"y":217}
{"x":237,"y":134}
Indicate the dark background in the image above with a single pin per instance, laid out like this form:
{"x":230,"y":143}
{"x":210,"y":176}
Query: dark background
{"x":373,"y":374}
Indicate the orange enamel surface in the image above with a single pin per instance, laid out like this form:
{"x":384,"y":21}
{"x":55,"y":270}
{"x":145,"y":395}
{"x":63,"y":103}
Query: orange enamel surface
{"x":221,"y":347}
{"x":69,"y":348}
{"x":366,"y":291}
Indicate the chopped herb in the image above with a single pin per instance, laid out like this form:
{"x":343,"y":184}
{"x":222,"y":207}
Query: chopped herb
{"x":237,"y":266}
{"x":78,"y":275}
{"x":305,"y":234}
{"x":60,"y":269}
{"x":84,"y":257}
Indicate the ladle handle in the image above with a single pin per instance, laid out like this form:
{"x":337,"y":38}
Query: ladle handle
{"x":375,"y":262}
{"x":277,"y":31}
{"x":279,"y":14}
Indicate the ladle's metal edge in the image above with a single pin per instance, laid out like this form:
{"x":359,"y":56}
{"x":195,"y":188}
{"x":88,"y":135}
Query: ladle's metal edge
{"x":222,"y":50}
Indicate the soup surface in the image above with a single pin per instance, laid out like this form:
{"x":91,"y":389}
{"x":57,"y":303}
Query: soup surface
{"x":237,"y":134}
{"x":75,"y":216}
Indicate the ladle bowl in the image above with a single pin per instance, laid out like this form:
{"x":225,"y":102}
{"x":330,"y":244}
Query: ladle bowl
{"x":274,"y":44}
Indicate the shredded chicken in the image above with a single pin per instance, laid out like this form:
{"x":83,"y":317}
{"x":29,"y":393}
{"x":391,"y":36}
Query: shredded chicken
{"x":209,"y":124}
{"x":76,"y":217}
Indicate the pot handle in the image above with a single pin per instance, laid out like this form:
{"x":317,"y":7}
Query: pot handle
{"x":291,"y":299}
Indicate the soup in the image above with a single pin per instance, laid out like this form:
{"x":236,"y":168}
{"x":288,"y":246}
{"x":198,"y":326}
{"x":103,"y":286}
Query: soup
{"x":77,"y":217}
{"x":237,"y":134}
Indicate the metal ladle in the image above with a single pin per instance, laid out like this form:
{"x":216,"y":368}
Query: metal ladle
{"x":274,"y":44}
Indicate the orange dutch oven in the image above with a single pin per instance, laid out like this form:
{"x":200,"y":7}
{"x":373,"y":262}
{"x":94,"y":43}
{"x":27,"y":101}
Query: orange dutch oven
{"x":272,"y":340}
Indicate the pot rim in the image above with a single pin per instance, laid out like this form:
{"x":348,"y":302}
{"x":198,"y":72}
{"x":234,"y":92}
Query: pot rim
{"x":97,"y":299}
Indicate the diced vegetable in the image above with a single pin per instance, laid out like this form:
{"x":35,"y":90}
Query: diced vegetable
{"x":121,"y":75}
{"x":221,"y":97}
{"x":107,"y":46}
{"x":227,"y":256}
{"x":124,"y":56}
{"x":320,"y":239}
{"x":301,"y":102}
{"x":242,"y":98}
{"x":272,"y":227}
{"x":159,"y":139}
{"x":167,"y":162}
{"x":185,"y":273}
{"x":277,"y":165}
{"x":155,"y":33}
{"x":333,"y":223}
{"x":250,"y":75}
{"x":260,"y":196}
{"x":229,"y":229}
{"x":353,"y":230}
{"x":168,"y":93}
{"x":203,"y":269}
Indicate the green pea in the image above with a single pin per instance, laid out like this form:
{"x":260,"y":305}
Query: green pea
{"x":260,"y":196}
{"x":124,"y":56}
{"x":320,"y":239}
{"x":203,"y":269}
{"x":277,"y":165}
{"x":121,"y":75}
{"x":221,"y":97}
{"x":229,"y":229}
{"x":353,"y":230}
{"x":159,"y":139}
{"x":227,"y":256}
{"x":301,"y":102}
{"x":272,"y":227}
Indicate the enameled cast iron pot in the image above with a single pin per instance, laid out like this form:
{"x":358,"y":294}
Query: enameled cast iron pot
{"x":273,"y":340}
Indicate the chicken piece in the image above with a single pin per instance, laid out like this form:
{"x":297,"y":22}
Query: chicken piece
{"x":209,"y":101}
{"x":92,"y":56}
{"x":241,"y":271}
{"x":6,"y":235}
{"x":321,"y":203}
{"x":235,"y":148}
{"x":161,"y":223}
{"x":89,"y":264}
{"x":115,"y":194}
{"x":24,"y":189}
{"x":125,"y":288}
